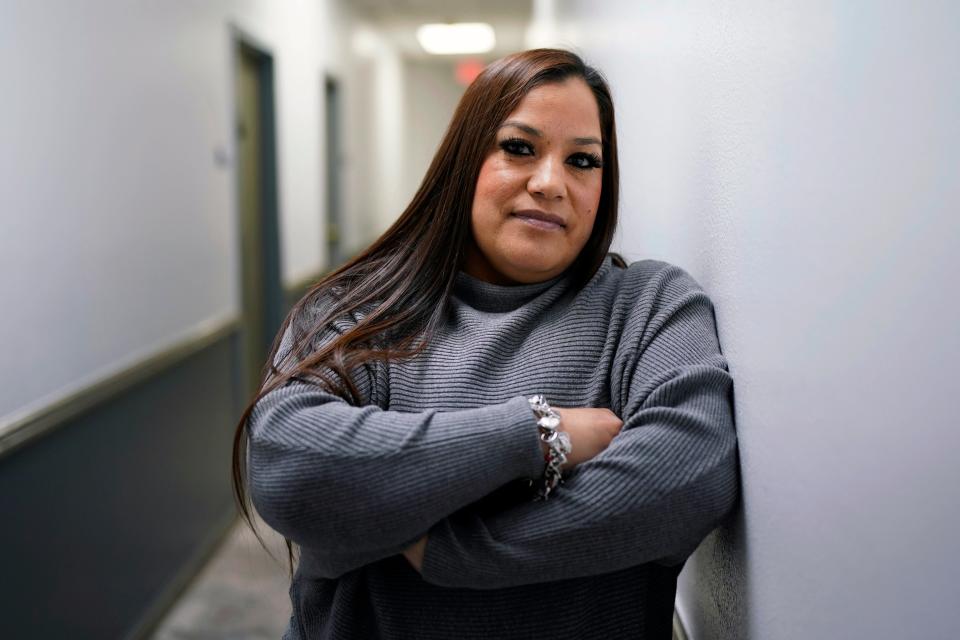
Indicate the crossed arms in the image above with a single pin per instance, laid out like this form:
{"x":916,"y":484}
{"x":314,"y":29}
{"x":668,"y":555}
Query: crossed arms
{"x":358,"y":484}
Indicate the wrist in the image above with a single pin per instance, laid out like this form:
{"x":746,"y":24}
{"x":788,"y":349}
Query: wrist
{"x":553,"y":441}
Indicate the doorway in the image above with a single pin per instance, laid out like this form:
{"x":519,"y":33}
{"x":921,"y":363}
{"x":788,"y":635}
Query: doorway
{"x":257,"y":203}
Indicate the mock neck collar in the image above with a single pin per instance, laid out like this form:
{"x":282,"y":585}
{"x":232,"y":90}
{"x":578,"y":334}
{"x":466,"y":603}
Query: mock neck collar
{"x":497,"y":298}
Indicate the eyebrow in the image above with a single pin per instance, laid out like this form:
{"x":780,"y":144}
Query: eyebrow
{"x":539,"y":134}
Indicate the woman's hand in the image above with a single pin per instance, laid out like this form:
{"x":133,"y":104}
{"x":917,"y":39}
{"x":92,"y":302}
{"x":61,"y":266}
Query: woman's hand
{"x":414,"y":553}
{"x":590,"y":431}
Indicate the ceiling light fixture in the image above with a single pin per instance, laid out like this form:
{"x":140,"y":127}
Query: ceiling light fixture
{"x":458,"y":37}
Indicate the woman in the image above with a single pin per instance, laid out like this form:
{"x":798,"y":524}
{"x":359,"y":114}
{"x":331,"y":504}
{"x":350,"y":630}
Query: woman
{"x":395,"y":440}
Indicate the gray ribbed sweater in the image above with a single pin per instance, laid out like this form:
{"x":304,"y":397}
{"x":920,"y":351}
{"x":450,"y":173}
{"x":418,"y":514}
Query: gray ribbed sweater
{"x":444,"y":443}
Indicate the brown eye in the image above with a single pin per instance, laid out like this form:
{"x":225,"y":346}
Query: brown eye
{"x":517,"y":147}
{"x":585,"y":161}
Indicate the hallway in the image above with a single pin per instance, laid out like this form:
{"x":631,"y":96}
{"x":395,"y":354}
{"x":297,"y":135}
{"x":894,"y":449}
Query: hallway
{"x":176,"y":175}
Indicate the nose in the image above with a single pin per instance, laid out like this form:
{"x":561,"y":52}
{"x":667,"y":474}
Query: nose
{"x":546,"y":180}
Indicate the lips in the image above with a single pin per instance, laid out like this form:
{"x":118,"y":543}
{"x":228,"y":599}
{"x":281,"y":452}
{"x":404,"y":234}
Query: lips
{"x":540,"y":219}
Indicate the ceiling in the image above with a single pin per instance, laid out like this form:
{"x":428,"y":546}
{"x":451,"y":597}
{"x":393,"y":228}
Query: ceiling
{"x":443,"y":10}
{"x":398,"y":20}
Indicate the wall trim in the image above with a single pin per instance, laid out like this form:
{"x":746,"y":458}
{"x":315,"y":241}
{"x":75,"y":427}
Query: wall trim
{"x":32,"y":423}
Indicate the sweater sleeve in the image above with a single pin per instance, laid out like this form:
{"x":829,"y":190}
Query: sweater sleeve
{"x":663,"y":483}
{"x":357,"y":484}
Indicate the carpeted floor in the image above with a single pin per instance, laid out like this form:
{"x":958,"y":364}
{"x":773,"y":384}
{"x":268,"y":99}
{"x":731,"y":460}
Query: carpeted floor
{"x":241,"y":593}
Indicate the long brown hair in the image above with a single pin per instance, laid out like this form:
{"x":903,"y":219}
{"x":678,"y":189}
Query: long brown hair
{"x":402,"y":281}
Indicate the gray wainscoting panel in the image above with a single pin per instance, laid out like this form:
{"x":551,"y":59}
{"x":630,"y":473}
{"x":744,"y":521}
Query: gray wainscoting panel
{"x":107,"y":515}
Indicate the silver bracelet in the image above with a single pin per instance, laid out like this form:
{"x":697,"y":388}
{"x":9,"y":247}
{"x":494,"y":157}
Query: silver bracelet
{"x":548,"y":422}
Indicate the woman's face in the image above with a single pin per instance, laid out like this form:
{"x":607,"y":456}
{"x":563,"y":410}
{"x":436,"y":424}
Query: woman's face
{"x":539,"y":186}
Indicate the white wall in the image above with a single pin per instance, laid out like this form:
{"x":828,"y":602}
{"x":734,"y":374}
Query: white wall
{"x":800,"y":159}
{"x":118,"y":227}
{"x":376,"y":121}
{"x":431,"y":94}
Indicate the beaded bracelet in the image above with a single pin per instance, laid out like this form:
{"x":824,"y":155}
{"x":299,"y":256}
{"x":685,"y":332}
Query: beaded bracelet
{"x":548,"y":422}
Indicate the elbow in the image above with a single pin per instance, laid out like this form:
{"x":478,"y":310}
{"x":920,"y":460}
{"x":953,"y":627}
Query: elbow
{"x":713,"y":496}
{"x":699,"y":504}
{"x":302,"y":508}
{"x":724,"y":489}
{"x":715,"y":490}
{"x":288,"y":477}
{"x":322,"y":503}
{"x":283,"y":494}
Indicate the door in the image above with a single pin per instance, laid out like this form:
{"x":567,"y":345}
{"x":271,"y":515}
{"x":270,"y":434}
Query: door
{"x":257,"y":202}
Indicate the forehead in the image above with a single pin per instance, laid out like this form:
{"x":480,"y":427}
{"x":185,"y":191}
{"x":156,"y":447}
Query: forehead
{"x":567,"y":107}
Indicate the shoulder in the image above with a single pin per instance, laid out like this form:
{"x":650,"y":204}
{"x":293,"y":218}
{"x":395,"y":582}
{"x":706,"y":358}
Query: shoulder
{"x":643,"y":282}
{"x":637,"y":299}
{"x":318,"y":318}
{"x":648,"y":295}
{"x":659,"y":303}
